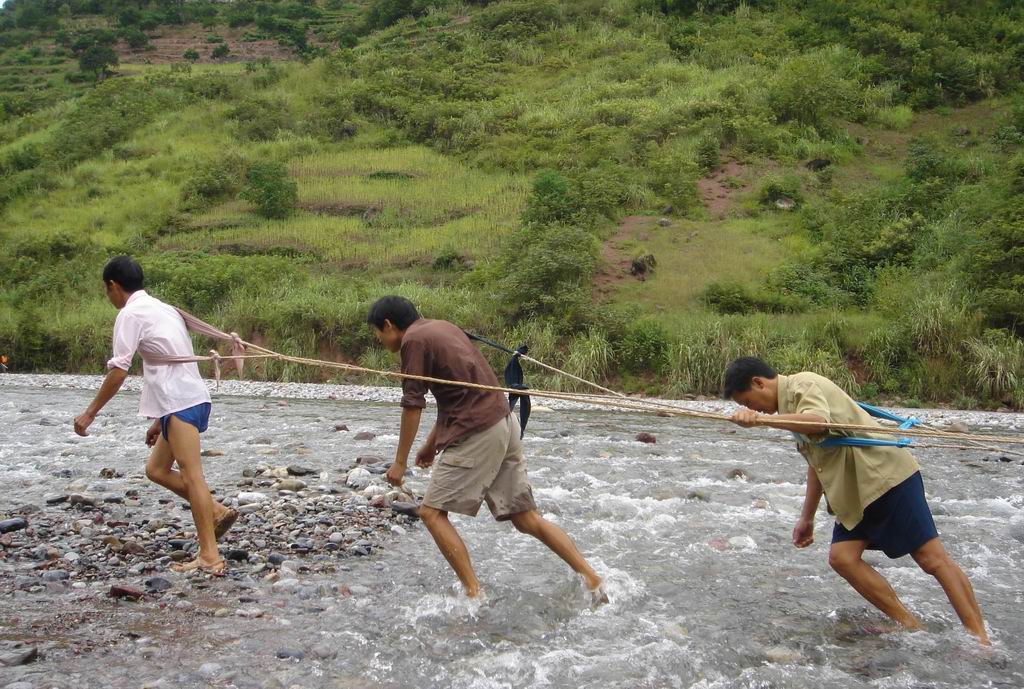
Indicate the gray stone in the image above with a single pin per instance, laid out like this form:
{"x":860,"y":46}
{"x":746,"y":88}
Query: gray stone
{"x":297,"y":470}
{"x":251,"y":498}
{"x":323,"y":652}
{"x":20,"y":657}
{"x":157,"y":584}
{"x":646,"y":438}
{"x":358,"y":478}
{"x":290,"y":654}
{"x":55,"y":575}
{"x":82,"y":499}
{"x":369,"y":459}
{"x":364,"y":435}
{"x":292,"y":484}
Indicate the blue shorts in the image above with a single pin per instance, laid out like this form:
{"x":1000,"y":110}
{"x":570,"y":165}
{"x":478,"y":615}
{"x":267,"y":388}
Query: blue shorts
{"x":198,"y":416}
{"x":898,"y":523}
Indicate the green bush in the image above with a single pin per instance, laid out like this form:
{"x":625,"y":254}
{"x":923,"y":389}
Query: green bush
{"x":271,"y":190}
{"x":191,"y":55}
{"x":775,"y":187}
{"x":259,"y":119}
{"x":220,"y":51}
{"x":547,"y":271}
{"x":550,"y":201}
{"x":214,"y":181}
{"x":645,"y":347}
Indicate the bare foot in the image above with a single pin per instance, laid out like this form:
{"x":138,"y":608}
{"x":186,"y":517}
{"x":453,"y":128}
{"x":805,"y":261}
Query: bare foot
{"x":216,"y":567}
{"x":598,"y":596}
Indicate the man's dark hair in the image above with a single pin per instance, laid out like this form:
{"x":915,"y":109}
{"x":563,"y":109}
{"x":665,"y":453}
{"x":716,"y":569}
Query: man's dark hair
{"x":740,"y":373}
{"x":398,"y":310}
{"x":125,"y":271}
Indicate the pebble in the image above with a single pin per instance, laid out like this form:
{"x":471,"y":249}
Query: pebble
{"x":209,"y":670}
{"x":250,"y":613}
{"x":157,"y":584}
{"x":339,"y":427}
{"x":55,"y":575}
{"x":358,"y":478}
{"x":290,"y":654}
{"x":369,"y":459}
{"x":737,"y":473}
{"x":15,"y":524}
{"x":251,"y":498}
{"x":296,"y":470}
{"x":292,"y":484}
{"x":646,"y":438}
{"x":364,"y":435}
{"x":211,"y":453}
{"x":237,"y":555}
{"x":125,"y":592}
{"x":20,"y":657}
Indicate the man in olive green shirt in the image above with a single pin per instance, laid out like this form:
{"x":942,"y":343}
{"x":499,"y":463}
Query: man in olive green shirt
{"x":875,"y":492}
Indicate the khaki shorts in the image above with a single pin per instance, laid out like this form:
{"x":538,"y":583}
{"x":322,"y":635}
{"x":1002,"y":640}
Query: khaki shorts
{"x":488,"y":465}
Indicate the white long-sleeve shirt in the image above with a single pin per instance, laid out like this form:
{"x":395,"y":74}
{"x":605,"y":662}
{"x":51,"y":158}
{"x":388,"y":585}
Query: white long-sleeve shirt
{"x":148,"y":326}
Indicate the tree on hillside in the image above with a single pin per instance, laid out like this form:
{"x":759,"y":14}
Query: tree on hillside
{"x":96,"y":60}
{"x":271,"y":190}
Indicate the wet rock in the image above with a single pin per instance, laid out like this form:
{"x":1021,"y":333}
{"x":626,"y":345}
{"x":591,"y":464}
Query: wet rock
{"x":410,"y":509}
{"x":211,"y":453}
{"x":646,"y":438}
{"x":292,"y":484}
{"x":290,"y":654}
{"x":364,"y":435}
{"x":339,"y":427}
{"x":250,"y":612}
{"x":55,"y":575}
{"x":369,"y":459}
{"x":297,"y":470}
{"x":276,"y":559}
{"x":737,"y":473}
{"x":698,"y":495}
{"x":20,"y":657}
{"x":209,"y":670}
{"x":237,"y":555}
{"x":782,"y":654}
{"x":15,"y":524}
{"x":157,"y":584}
{"x":55,"y":498}
{"x":664,"y":222}
{"x":958,"y":427}
{"x":19,"y":685}
{"x":82,"y":500}
{"x":261,"y":441}
{"x":134,"y":548}
{"x":337,"y":538}
{"x":323,"y":652}
{"x":251,"y":498}
{"x":125,"y":592}
{"x":358,"y":478}
{"x":108,"y":472}
{"x":178,"y":555}
{"x":743,"y":542}
{"x":784,"y":203}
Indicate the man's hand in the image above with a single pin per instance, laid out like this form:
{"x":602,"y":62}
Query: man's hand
{"x":82,"y":422}
{"x":803,"y":534}
{"x":425,"y":456}
{"x":745,"y":417}
{"x":395,"y":474}
{"x":153,"y":434}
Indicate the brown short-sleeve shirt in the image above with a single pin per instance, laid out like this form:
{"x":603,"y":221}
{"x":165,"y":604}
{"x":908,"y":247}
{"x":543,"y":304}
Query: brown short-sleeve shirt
{"x":439,"y":349}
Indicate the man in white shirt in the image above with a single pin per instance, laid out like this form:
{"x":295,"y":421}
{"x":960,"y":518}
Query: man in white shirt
{"x":173,"y":394}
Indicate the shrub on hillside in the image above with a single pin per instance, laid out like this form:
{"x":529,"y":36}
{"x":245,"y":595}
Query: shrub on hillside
{"x":332,"y":118}
{"x":645,"y":347}
{"x":549,"y":201}
{"x":191,"y":55}
{"x":521,"y":19}
{"x":214,"y":181}
{"x":259,"y":119}
{"x":220,"y":51}
{"x":271,"y":190}
{"x":547,"y":271}
{"x":834,"y":93}
{"x":96,"y":60}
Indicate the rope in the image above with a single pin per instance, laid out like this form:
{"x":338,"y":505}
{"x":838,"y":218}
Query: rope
{"x":614,"y":399}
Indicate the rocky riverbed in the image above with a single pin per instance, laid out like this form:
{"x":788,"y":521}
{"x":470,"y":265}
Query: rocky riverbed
{"x":332,"y":582}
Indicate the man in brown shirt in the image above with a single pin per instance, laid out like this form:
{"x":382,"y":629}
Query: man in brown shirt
{"x":875,"y":492}
{"x":478,"y":438}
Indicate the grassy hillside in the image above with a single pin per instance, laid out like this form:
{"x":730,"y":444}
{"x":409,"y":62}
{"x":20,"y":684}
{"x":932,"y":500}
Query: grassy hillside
{"x":837,"y":189}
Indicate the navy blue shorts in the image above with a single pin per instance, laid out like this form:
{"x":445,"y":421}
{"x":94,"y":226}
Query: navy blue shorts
{"x":898,"y":523}
{"x":198,"y":416}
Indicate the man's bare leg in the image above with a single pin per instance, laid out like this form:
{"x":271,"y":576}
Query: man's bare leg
{"x":558,"y":541}
{"x":159,"y":470}
{"x":452,"y":547}
{"x":933,"y":559}
{"x":845,"y":558}
{"x":183,"y":439}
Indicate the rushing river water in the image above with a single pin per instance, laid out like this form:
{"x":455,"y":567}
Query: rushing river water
{"x":706,"y":589}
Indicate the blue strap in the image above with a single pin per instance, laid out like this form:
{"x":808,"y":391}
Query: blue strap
{"x":853,"y":441}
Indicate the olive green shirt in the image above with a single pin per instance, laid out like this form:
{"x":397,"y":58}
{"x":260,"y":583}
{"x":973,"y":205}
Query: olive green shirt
{"x":852,"y":477}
